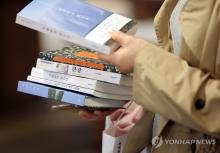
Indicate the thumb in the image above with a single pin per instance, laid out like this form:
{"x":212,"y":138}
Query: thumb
{"x":114,"y":116}
{"x":138,"y":113}
{"x":119,"y":37}
{"x":106,"y":58}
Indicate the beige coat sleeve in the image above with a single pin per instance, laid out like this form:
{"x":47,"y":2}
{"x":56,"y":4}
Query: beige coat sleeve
{"x":166,"y":84}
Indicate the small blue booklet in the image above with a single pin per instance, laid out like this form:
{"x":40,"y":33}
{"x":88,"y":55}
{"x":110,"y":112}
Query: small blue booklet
{"x":76,"y":21}
{"x":69,"y":97}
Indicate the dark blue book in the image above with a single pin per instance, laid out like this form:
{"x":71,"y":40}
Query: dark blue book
{"x":65,"y":96}
{"x":75,"y":21}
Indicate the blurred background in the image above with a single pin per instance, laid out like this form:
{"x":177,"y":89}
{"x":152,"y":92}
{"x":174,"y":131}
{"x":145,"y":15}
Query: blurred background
{"x":27,"y":124}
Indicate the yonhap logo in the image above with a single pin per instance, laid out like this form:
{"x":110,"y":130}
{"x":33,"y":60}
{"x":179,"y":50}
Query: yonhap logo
{"x":157,"y":141}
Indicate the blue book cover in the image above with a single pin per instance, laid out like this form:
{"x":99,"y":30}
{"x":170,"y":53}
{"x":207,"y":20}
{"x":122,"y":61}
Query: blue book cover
{"x":76,"y":21}
{"x":72,"y":15}
{"x":74,"y":98}
{"x":51,"y":92}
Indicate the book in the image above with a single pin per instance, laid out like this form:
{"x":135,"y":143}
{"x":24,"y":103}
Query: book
{"x":82,"y":82}
{"x":79,"y":89}
{"x":68,"y":97}
{"x":105,"y":76}
{"x":76,"y":21}
{"x":77,"y":55}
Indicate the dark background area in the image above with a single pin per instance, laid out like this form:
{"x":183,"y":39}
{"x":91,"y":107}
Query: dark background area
{"x":19,"y":49}
{"x":27,"y":125}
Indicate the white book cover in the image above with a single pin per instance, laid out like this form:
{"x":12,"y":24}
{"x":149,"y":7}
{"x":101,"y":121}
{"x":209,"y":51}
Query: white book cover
{"x":76,"y":21}
{"x":110,"y":77}
{"x":79,"y":89}
{"x":82,"y":82}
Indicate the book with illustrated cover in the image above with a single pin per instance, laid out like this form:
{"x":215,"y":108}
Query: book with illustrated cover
{"x":76,"y":21}
{"x":105,"y":76}
{"x":77,"y":55}
{"x":68,"y":97}
{"x":82,"y":82}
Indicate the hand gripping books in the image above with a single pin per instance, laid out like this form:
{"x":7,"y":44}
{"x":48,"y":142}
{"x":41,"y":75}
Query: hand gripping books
{"x":73,"y":74}
{"x":77,"y":55}
{"x":56,"y":76}
{"x":76,"y":21}
{"x":81,"y":61}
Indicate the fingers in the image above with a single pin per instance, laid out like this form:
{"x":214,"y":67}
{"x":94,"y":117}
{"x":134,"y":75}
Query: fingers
{"x":96,"y":115}
{"x":138,"y":115}
{"x":106,"y":58}
{"x":131,"y":117}
{"x":114,"y":116}
{"x":87,"y":115}
{"x":119,"y":57}
{"x":102,"y":114}
{"x":121,"y":38}
{"x":126,"y":120}
{"x":123,"y":128}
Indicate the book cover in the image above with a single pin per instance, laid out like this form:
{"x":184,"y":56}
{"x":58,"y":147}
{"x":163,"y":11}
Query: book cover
{"x":77,"y":55}
{"x":82,"y":82}
{"x":79,"y":89}
{"x":65,"y":96}
{"x":110,"y":77}
{"x":75,"y":21}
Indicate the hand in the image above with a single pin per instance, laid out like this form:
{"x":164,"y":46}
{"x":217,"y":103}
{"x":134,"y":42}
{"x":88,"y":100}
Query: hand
{"x":83,"y":113}
{"x":93,"y":116}
{"x":123,"y":58}
{"x":132,"y":116}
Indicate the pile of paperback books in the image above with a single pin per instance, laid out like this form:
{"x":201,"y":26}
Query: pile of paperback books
{"x":75,"y":75}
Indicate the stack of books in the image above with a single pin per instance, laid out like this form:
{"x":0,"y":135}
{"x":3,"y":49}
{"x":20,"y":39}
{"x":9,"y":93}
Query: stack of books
{"x":74,"y":74}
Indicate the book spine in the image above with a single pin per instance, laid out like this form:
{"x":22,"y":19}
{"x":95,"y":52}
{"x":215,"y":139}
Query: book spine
{"x":63,"y":78}
{"x":61,"y":85}
{"x":105,"y":76}
{"x":49,"y":92}
{"x":62,"y":34}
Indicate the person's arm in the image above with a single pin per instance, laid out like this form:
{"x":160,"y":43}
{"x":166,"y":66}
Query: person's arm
{"x":166,"y":84}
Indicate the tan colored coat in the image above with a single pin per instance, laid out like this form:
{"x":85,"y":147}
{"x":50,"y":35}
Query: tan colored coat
{"x":185,"y":90}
